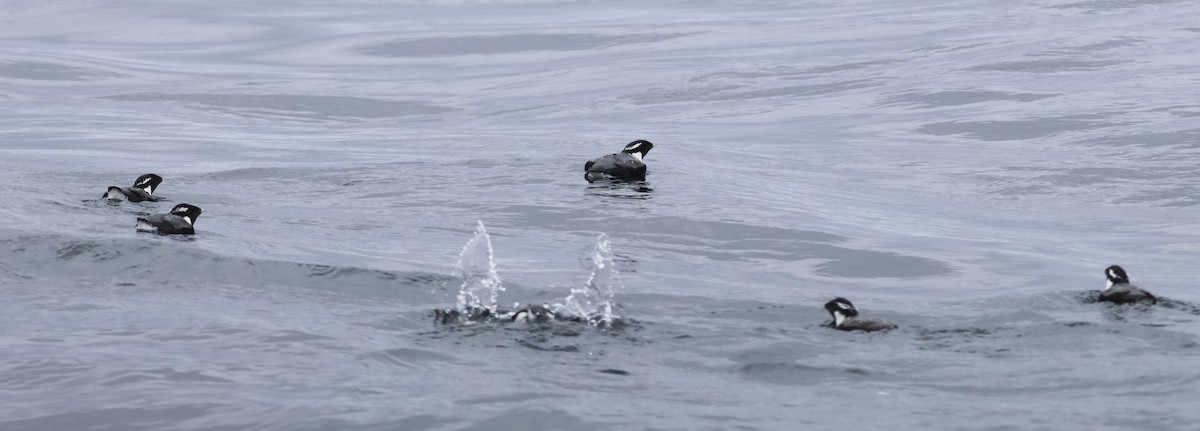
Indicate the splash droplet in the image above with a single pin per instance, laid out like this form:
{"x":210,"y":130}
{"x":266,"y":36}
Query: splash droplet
{"x":481,"y":285}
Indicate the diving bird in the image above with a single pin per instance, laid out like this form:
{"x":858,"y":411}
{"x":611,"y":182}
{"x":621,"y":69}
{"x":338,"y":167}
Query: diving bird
{"x":533,"y":313}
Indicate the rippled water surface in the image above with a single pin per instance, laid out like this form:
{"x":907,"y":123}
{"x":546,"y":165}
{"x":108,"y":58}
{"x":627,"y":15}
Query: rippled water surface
{"x":964,"y":169}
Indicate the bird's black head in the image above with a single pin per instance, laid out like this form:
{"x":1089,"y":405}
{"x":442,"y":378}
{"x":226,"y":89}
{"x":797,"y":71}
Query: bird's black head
{"x":188,"y":211}
{"x":638,"y":148}
{"x":1116,"y":275}
{"x":147,"y":182}
{"x":842,"y":306}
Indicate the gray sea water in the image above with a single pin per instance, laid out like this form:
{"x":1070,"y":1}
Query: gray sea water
{"x":962,"y":168}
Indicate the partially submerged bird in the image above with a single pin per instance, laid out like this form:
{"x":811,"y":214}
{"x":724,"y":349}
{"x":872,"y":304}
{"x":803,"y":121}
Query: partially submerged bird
{"x":142,"y":190}
{"x":845,"y":317}
{"x":532,"y":313}
{"x":179,"y":221}
{"x":449,"y":315}
{"x":626,"y":165}
{"x":1119,"y":290}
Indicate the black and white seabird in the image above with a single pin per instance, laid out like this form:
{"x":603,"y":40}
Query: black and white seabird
{"x":142,"y":190}
{"x":179,"y":221}
{"x":845,"y":317}
{"x":626,"y":165}
{"x":1118,"y":289}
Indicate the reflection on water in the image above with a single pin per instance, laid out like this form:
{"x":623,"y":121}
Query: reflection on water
{"x":621,"y":189}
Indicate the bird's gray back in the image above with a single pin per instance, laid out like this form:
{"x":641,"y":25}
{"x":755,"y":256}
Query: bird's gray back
{"x":615,"y":162}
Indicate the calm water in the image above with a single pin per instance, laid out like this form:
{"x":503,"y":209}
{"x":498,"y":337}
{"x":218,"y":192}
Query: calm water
{"x":964,"y":169}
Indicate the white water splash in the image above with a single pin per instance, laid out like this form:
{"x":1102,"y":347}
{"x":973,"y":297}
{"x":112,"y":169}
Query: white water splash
{"x":594,"y":300}
{"x":477,"y":266}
